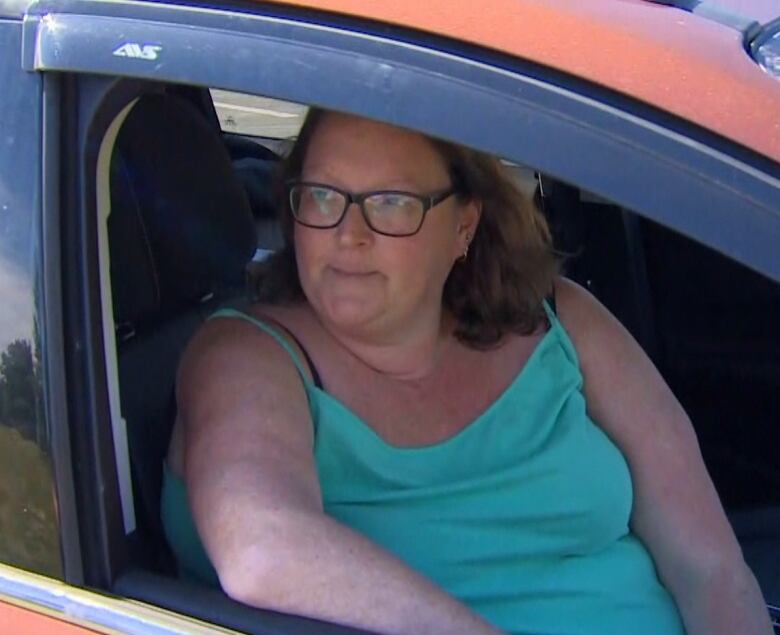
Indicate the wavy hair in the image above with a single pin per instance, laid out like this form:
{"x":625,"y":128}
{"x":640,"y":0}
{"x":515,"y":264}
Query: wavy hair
{"x":497,"y":289}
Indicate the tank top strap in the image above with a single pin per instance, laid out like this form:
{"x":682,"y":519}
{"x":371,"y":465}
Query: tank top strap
{"x":275,"y":333}
{"x":550,"y":301}
{"x":551,"y":311}
{"x":562,"y":335}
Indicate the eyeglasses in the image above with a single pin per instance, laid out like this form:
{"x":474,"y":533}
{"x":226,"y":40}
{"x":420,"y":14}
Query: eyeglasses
{"x":387,"y":212}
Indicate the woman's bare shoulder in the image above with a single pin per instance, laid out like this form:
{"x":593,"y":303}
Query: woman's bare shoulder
{"x":587,"y":321}
{"x":230,"y":345}
{"x":238,"y":328}
{"x":233,"y":366}
{"x":572,"y":298}
{"x":236,"y":382}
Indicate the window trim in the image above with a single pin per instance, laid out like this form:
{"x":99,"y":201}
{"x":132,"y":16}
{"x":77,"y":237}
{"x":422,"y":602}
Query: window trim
{"x":57,"y":412}
{"x":93,"y":454}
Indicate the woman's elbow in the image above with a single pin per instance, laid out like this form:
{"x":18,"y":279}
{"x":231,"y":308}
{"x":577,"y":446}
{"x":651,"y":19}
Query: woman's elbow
{"x":251,"y":574}
{"x":261,"y":569}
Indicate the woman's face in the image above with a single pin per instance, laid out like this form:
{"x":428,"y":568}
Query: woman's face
{"x":361,"y":281}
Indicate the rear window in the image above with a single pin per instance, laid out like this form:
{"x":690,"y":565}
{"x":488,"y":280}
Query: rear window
{"x":256,"y":116}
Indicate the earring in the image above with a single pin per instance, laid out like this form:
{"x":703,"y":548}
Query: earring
{"x":466,"y":250}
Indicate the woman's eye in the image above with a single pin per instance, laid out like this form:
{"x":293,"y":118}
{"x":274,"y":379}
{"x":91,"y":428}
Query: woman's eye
{"x":320,"y":195}
{"x":326,"y":200}
{"x":389,"y":203}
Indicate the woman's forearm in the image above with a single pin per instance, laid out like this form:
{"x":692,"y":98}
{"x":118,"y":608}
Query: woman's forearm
{"x":309,"y":564}
{"x":724,"y":604}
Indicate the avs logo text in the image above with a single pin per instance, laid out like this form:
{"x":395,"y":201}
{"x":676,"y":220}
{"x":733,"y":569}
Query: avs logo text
{"x":138,"y":51}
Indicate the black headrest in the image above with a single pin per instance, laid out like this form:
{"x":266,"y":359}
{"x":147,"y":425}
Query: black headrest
{"x":180,"y":227}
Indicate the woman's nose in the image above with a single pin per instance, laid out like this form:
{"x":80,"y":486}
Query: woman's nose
{"x":353,"y":229}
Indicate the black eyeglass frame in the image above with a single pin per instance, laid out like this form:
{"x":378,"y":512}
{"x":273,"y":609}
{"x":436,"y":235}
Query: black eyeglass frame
{"x":428,"y":201}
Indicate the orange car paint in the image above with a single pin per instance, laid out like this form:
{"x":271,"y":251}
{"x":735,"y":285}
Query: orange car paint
{"x":668,"y":58}
{"x":21,"y":621}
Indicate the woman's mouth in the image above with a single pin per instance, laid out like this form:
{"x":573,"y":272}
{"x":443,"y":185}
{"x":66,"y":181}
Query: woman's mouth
{"x":351,"y":273}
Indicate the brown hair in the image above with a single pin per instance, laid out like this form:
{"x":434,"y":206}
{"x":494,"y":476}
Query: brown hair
{"x":510,"y":266}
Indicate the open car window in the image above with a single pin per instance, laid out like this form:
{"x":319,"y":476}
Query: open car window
{"x":663,"y":287}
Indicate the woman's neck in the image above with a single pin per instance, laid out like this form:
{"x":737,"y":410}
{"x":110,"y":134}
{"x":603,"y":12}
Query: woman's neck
{"x":411,"y":356}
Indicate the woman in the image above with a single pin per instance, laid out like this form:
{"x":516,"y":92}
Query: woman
{"x":400,"y":441}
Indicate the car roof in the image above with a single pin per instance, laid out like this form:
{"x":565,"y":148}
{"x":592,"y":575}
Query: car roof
{"x":678,"y":61}
{"x":669,"y":58}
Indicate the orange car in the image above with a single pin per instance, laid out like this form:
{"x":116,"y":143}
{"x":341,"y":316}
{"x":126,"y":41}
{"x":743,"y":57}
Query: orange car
{"x":648,"y":131}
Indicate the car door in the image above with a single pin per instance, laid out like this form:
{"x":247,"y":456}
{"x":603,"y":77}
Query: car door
{"x":85,"y":64}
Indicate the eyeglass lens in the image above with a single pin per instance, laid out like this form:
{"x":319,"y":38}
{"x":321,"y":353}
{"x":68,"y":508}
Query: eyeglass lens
{"x":386,"y":212}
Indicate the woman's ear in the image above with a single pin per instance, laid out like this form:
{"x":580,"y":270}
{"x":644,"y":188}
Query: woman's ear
{"x":468,"y":221}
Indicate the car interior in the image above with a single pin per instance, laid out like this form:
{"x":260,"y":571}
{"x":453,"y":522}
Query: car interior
{"x":191,"y":213}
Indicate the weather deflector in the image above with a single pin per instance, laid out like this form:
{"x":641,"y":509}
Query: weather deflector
{"x":717,"y":194}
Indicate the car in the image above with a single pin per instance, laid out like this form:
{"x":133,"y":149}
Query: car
{"x":138,"y":144}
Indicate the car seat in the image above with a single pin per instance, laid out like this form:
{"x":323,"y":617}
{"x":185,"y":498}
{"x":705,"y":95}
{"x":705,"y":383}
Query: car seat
{"x":180,"y":236}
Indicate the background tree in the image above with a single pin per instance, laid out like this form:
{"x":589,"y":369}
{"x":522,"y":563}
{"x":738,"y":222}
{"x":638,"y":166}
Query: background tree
{"x":17,"y":385}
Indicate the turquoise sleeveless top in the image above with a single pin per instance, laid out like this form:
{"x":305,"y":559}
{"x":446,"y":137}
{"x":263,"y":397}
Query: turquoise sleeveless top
{"x":523,"y":515}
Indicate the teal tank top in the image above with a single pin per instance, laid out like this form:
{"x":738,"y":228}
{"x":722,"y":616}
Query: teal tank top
{"x":523,"y":515}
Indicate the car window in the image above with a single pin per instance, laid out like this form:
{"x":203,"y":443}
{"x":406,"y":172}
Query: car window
{"x":28,"y":520}
{"x":662,"y":286}
{"x":255,"y":116}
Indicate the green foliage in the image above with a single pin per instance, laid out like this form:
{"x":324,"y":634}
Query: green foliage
{"x":28,"y":520}
{"x":19,"y":401}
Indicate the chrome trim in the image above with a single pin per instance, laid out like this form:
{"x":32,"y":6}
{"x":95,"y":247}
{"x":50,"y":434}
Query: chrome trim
{"x":765,"y":49}
{"x":93,"y":610}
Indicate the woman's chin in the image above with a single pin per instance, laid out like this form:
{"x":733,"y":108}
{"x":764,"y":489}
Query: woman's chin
{"x":350,"y":312}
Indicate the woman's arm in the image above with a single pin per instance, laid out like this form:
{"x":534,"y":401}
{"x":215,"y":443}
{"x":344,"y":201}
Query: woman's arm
{"x":256,"y":499}
{"x":676,"y":511}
